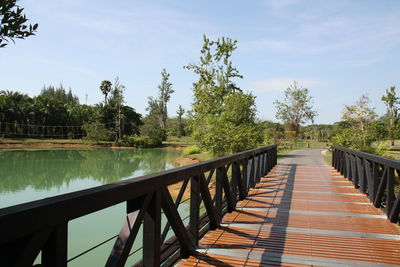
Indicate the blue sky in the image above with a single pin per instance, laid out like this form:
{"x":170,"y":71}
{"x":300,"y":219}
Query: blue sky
{"x":337,"y":49}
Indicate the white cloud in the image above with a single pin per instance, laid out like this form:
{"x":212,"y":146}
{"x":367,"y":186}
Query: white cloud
{"x":281,"y":83}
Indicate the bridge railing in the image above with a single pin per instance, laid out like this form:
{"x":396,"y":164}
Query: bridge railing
{"x":42,"y":226}
{"x":373,"y":175}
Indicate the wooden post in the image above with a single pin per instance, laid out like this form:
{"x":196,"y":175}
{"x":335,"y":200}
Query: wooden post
{"x":152,"y":232}
{"x":194,"y":223}
{"x":54,"y":253}
{"x":218,"y":191}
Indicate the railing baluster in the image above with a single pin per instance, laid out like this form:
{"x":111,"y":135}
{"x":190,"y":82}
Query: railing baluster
{"x":348,"y":167}
{"x":194,"y":223}
{"x":239,"y":180}
{"x":390,"y":197}
{"x":211,"y":211}
{"x":27,"y":250}
{"x":136,"y":210}
{"x":152,"y":232}
{"x":394,"y":213}
{"x":218,"y":191}
{"x":355,"y":172}
{"x":350,"y":173}
{"x":251,"y":176}
{"x":244,"y":177}
{"x":177,"y":225}
{"x":176,"y":204}
{"x":381,"y":189}
{"x":344,"y":168}
{"x":375,"y":179}
{"x":228,"y":194}
{"x":361,"y":174}
{"x":263,"y":160}
{"x":258,"y":168}
{"x":368,"y":177}
{"x":234,"y":181}
{"x":54,"y":253}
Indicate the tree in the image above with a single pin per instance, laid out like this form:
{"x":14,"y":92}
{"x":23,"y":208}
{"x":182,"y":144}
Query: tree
{"x":222,"y":118}
{"x":13,"y":23}
{"x":59,"y":94}
{"x":296,"y":109}
{"x":116,"y":103}
{"x":105,"y":88}
{"x":132,"y":121}
{"x":165,"y":95}
{"x":361,"y":115}
{"x":152,"y":127}
{"x":157,"y":107}
{"x":273,"y":132}
{"x":392,"y":103}
{"x":320,"y":132}
{"x":96,"y":131}
{"x":180,"y":113}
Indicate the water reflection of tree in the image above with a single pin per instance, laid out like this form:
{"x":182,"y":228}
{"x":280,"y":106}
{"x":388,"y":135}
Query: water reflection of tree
{"x":46,"y":169}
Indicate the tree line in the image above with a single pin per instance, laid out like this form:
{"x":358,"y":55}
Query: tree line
{"x":360,"y":127}
{"x":56,"y":112}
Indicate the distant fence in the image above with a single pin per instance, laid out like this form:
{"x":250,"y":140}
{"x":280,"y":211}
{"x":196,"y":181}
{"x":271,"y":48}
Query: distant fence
{"x":8,"y":129}
{"x":373,"y":175}
{"x":42,"y":226}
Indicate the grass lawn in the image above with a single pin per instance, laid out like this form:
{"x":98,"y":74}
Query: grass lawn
{"x":179,"y":141}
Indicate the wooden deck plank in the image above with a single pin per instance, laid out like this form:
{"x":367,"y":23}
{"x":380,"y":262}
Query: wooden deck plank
{"x":301,"y":215}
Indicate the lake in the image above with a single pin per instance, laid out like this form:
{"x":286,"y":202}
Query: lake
{"x":28,"y":175}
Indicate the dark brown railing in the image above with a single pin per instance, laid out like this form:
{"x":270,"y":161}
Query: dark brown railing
{"x":373,"y":175}
{"x":42,"y":226}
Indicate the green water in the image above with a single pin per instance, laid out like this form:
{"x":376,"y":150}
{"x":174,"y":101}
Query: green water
{"x":27,"y":175}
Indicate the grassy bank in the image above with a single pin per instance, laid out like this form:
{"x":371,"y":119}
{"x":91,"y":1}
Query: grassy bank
{"x":30,"y":142}
{"x":393,"y":151}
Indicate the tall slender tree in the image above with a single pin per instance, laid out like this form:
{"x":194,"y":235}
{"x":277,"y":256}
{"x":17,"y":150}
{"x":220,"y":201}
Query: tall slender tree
{"x":105,"y":88}
{"x":117,"y":101}
{"x":165,"y":91}
{"x":180,"y":113}
{"x":392,"y":103}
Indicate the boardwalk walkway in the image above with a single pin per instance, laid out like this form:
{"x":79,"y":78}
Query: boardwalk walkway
{"x":303,"y":213}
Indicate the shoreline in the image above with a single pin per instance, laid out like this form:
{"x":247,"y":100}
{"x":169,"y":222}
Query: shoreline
{"x":36,"y":143}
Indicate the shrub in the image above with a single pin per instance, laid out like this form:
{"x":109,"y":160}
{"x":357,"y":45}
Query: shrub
{"x":191,"y":150}
{"x":96,"y":131}
{"x":137,"y":141}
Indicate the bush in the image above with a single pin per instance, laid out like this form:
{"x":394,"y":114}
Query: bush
{"x":96,"y":131}
{"x":137,"y":141}
{"x":191,"y":150}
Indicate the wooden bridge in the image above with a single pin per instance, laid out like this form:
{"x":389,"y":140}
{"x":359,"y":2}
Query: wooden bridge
{"x":302,"y":212}
{"x":244,"y":210}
